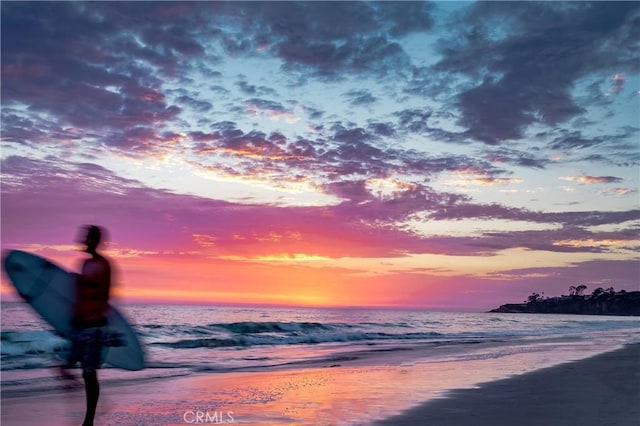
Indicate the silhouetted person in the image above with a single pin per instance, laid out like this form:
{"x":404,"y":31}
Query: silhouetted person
{"x":89,"y":318}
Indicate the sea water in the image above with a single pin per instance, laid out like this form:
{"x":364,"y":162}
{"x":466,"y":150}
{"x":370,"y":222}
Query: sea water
{"x":185,"y":339}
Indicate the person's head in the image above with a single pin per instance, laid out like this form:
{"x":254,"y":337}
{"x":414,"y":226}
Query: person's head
{"x":93,"y":237}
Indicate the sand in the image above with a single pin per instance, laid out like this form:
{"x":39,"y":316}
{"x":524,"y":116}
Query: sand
{"x":603,"y":390}
{"x":600,"y":391}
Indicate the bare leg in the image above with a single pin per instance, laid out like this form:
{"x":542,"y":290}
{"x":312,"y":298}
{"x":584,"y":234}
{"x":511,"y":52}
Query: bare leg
{"x":92,"y":389}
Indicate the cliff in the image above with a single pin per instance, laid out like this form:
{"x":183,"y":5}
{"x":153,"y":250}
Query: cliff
{"x":622,"y":303}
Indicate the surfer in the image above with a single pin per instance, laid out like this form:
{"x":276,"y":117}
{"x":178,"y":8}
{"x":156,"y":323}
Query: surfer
{"x":77,"y":306}
{"x":89,"y":318}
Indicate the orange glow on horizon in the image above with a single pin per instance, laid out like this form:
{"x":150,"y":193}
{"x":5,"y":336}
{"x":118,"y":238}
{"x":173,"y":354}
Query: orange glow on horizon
{"x":302,"y":278}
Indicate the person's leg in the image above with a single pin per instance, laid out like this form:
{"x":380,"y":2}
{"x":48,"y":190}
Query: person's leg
{"x":92,"y":390}
{"x":90,"y":364}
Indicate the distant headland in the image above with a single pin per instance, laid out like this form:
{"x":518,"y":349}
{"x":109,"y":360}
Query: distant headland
{"x":599,"y":302}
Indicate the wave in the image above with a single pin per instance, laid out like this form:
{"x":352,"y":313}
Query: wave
{"x":15,"y":345}
{"x":295,"y":339}
{"x":31,"y":342}
{"x":274,"y":326}
{"x":191,"y":343}
{"x":243,"y":328}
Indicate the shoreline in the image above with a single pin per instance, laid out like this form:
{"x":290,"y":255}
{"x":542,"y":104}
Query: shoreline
{"x":601,"y":390}
{"x":354,"y":392}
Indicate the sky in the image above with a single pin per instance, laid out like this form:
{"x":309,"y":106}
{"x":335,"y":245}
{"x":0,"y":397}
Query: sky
{"x":445,"y":155}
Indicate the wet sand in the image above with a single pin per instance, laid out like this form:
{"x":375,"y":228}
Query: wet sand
{"x":600,"y":391}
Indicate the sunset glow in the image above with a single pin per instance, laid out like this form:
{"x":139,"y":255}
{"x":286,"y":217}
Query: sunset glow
{"x":326,"y":153}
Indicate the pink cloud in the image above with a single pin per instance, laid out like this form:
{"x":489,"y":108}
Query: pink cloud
{"x":591,"y":179}
{"x":618,"y":83}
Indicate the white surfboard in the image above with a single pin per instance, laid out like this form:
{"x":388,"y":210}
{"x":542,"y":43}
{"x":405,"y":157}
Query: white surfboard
{"x":50,"y":290}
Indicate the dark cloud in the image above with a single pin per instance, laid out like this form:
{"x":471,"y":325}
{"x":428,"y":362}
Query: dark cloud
{"x":424,"y":121}
{"x":265,"y":105}
{"x":414,"y":120}
{"x":566,"y":239}
{"x":198,"y":105}
{"x":406,"y":17}
{"x":571,"y":140}
{"x":219,"y":89}
{"x":110,"y":52}
{"x":141,"y":140}
{"x":360,"y":97}
{"x":527,"y":67}
{"x":253,"y":90}
{"x":344,"y":151}
{"x":97,"y":72}
{"x":331,"y":38}
{"x":570,"y":219}
{"x":21,"y":130}
{"x":415,"y":162}
{"x":592,"y":218}
{"x":517,"y":158}
{"x":373,"y":55}
{"x":382,"y":129}
{"x":173,"y":38}
{"x":594,"y":273}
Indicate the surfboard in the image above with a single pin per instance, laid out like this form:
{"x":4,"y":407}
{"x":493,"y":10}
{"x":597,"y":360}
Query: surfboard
{"x":50,"y":290}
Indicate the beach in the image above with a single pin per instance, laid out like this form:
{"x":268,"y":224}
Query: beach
{"x":601,"y":390}
{"x":598,"y":391}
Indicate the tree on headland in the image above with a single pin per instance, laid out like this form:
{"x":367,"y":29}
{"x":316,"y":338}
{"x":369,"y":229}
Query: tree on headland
{"x":601,"y":301}
{"x":598,"y":292}
{"x":533,"y":298}
{"x":577,"y":291}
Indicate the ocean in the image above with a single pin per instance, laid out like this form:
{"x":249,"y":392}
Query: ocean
{"x":441,"y":350}
{"x":210,"y":338}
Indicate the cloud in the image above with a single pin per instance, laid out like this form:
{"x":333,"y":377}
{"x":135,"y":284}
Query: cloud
{"x":617,"y":83}
{"x":253,"y":90}
{"x":521,"y":70}
{"x":146,"y":219}
{"x":340,"y":152}
{"x":271,"y":110}
{"x":592,"y":179}
{"x":576,"y":140}
{"x":116,"y":65}
{"x":142,"y":218}
{"x":568,"y":238}
{"x":515,"y":157}
{"x":333,"y":38}
{"x":360,"y":97}
{"x":594,"y":273}
{"x":464,"y":210}
{"x":198,"y":105}
{"x":621,"y":192}
{"x":492,"y":181}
